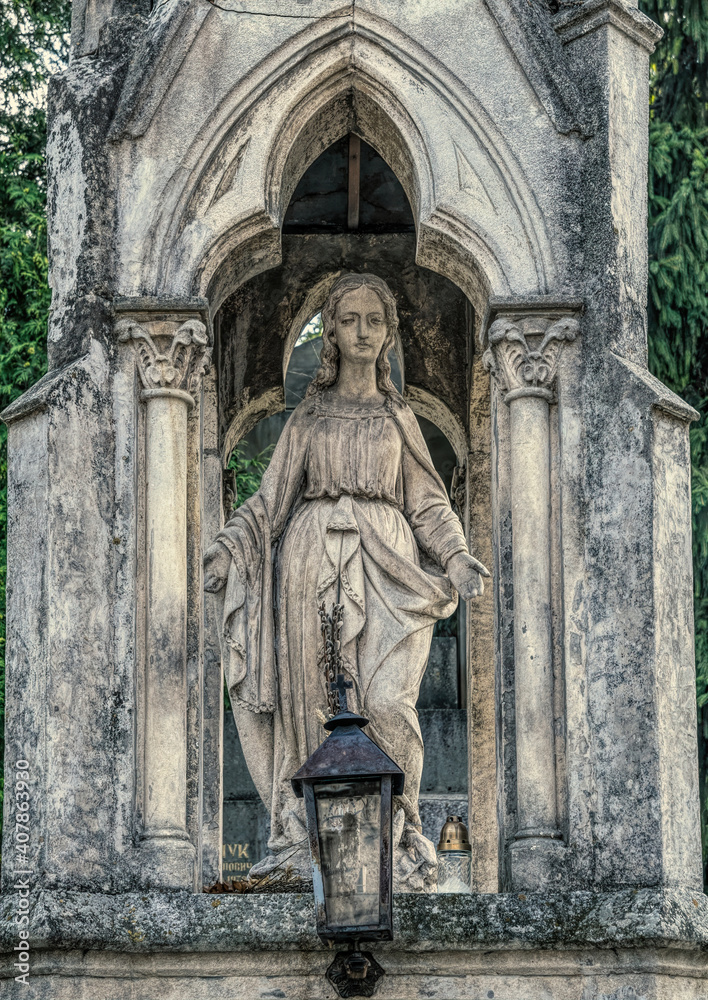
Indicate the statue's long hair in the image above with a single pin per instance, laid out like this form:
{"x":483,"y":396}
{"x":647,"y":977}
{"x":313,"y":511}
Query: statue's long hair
{"x":328,"y":372}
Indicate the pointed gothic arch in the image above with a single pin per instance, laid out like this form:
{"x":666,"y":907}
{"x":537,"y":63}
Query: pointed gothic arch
{"x":216,"y":221}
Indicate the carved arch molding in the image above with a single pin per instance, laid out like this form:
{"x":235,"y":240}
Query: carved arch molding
{"x":216,"y":220}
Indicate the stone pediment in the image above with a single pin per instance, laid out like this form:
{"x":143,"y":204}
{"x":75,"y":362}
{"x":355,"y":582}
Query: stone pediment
{"x":174,"y":27}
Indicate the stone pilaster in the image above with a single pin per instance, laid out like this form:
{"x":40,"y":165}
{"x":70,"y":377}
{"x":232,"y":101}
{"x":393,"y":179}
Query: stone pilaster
{"x":171,"y":359}
{"x":523,"y":356}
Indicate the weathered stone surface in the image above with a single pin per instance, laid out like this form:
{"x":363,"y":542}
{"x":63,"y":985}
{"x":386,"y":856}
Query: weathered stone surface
{"x":177,"y":138}
{"x":180,"y":922}
{"x":61,"y":541}
{"x":642,"y":944}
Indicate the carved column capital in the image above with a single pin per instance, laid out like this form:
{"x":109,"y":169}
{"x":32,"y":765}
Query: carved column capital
{"x":170,"y":362}
{"x":523,"y":354}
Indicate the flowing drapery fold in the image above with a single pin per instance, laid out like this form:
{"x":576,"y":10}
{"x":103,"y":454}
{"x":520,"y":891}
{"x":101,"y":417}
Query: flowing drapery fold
{"x":248,"y":631}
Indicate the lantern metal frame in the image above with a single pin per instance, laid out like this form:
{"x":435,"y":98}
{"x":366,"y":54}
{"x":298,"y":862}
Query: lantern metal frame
{"x":348,"y":754}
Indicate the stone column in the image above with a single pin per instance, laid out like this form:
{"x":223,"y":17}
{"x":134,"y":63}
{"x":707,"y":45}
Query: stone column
{"x":523,"y":357}
{"x":170,"y":378}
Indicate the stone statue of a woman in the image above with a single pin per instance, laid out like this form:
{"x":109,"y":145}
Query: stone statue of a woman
{"x":350,"y":510}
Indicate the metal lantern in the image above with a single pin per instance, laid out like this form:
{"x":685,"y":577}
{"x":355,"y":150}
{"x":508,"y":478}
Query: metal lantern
{"x":348,"y":784}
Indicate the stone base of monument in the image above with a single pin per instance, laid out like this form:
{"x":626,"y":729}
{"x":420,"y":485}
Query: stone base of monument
{"x":167,"y":862}
{"x":537,"y":863}
{"x":630,"y":945}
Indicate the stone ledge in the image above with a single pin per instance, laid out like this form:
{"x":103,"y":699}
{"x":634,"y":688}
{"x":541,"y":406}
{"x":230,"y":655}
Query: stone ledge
{"x":658,"y":394}
{"x":575,"y":20}
{"x":183,"y":922}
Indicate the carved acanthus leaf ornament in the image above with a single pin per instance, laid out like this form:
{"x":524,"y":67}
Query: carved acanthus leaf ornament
{"x":180,"y":365}
{"x":522,"y":368}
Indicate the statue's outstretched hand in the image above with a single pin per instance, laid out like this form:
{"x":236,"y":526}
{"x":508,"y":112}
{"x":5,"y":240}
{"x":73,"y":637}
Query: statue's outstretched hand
{"x":217,"y":560}
{"x":465,"y":573}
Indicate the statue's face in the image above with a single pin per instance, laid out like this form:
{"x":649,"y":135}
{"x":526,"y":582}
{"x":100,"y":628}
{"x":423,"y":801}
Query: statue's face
{"x":360,"y":326}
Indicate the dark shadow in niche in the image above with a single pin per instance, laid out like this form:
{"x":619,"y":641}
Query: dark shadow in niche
{"x":319,"y":203}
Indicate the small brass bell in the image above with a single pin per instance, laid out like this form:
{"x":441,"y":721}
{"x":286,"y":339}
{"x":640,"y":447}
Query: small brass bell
{"x":454,"y":857}
{"x":453,"y":836}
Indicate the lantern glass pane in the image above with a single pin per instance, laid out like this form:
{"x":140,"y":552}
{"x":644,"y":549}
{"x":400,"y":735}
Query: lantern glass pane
{"x":349,"y":826}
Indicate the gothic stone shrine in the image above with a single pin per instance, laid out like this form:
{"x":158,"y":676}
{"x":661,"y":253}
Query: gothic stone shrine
{"x":402,"y":246}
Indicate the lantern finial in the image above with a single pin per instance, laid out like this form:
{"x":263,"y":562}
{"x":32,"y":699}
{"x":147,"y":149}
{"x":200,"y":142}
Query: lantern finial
{"x":341,"y":685}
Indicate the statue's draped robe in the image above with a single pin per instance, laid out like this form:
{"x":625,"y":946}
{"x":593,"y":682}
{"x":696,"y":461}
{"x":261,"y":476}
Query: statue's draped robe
{"x":350,"y":509}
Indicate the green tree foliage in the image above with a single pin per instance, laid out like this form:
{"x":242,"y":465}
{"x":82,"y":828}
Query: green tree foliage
{"x":247,"y":471}
{"x":33,"y":44}
{"x":678,"y":274}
